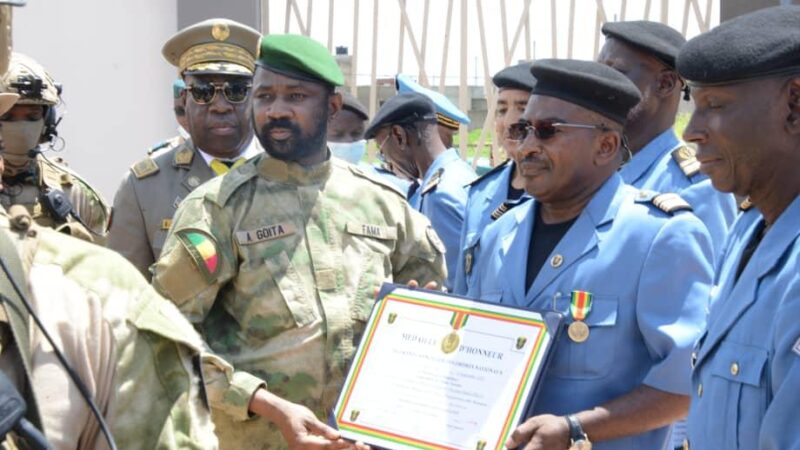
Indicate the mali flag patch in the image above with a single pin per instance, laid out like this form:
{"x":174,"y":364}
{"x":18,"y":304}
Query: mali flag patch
{"x":203,"y":250}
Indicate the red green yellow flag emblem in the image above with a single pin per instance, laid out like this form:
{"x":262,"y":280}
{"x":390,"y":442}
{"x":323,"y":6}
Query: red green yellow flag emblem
{"x":202,"y":249}
{"x":580,"y":304}
{"x":459,"y":319}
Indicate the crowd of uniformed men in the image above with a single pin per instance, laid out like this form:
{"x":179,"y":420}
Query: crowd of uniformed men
{"x":267,"y":235}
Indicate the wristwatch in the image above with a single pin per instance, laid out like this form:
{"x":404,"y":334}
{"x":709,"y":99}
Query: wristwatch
{"x":578,"y":440}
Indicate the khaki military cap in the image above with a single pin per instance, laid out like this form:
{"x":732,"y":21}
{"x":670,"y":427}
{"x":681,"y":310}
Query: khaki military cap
{"x":214,"y":46}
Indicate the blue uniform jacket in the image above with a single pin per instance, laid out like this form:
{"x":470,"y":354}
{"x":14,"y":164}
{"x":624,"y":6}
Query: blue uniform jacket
{"x":747,"y":372}
{"x":654,"y":168}
{"x":442,"y":198}
{"x":650,"y":274}
{"x":485,"y":195}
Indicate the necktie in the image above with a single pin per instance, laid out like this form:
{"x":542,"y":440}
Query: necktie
{"x":221,"y":167}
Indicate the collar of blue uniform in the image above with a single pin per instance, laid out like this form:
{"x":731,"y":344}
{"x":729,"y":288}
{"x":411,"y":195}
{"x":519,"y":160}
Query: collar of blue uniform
{"x":603,"y":207}
{"x":440,"y":162}
{"x":281,"y":171}
{"x":648,"y":155}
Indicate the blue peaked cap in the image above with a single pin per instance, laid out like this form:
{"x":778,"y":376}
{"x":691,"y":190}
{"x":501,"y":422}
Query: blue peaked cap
{"x":447,"y":113}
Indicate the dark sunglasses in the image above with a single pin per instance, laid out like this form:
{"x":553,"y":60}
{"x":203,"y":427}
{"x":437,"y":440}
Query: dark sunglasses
{"x":544,"y":129}
{"x":203,"y":93}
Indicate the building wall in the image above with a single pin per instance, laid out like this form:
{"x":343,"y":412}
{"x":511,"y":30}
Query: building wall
{"x":117,"y":87}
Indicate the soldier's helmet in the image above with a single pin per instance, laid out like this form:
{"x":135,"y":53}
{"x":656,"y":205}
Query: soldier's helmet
{"x":28,"y":78}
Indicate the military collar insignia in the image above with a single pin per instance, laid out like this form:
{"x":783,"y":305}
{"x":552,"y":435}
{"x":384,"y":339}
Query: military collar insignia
{"x":184,"y":156}
{"x":433,"y":182}
{"x":686,"y":157}
{"x":746,"y":204}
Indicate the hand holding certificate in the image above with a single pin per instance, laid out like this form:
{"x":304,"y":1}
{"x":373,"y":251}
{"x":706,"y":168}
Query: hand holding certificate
{"x":437,"y":371}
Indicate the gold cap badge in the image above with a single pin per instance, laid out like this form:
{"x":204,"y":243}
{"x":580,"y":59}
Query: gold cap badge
{"x":220,"y":31}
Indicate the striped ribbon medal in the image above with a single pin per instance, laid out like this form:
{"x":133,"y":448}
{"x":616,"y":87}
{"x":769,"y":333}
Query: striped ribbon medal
{"x":580,"y":305}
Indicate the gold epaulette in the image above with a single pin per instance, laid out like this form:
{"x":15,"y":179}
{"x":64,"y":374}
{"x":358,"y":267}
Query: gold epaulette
{"x":670,"y":203}
{"x":687,"y":160}
{"x":145,"y":168}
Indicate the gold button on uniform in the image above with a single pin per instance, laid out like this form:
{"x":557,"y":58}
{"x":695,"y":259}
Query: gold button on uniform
{"x":734,"y":369}
{"x":557,"y":260}
{"x":700,"y":390}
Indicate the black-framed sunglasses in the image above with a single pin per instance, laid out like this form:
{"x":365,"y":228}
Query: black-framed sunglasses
{"x":203,"y":93}
{"x":544,"y":129}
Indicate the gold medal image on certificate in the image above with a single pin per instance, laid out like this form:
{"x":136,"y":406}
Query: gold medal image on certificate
{"x":436,"y":371}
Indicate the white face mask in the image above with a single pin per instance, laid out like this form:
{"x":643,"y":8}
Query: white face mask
{"x":349,"y":151}
{"x":18,"y":138}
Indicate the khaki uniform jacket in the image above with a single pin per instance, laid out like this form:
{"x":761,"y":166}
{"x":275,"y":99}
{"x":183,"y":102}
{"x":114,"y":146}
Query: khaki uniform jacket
{"x":86,"y":201}
{"x":277,"y":265}
{"x":147,"y":198}
{"x":135,"y":353}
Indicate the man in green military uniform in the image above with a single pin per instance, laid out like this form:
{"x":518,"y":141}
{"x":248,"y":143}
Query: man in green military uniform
{"x":215,"y":58}
{"x":54,"y":195}
{"x":277,"y":262}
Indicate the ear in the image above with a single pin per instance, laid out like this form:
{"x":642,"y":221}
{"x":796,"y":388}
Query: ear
{"x":793,"y":119}
{"x":400,"y":135}
{"x":668,"y":82}
{"x":608,"y":148}
{"x":334,"y":104}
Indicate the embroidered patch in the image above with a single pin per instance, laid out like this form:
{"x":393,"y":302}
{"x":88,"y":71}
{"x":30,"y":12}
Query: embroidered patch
{"x":203,"y":250}
{"x":266,"y":233}
{"x":373,"y":231}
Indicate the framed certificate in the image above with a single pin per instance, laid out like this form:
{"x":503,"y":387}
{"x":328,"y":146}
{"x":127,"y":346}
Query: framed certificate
{"x":435,"y":371}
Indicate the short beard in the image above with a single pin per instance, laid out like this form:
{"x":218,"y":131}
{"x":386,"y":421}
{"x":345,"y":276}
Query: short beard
{"x":298,"y":147}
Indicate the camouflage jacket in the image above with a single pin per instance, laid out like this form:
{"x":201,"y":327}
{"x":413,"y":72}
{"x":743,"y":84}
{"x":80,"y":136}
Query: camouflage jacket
{"x":138,"y":357}
{"x":277,"y":265}
{"x":87,"y":203}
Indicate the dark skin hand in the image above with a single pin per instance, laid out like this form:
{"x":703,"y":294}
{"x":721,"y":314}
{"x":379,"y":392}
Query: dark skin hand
{"x":299,"y":426}
{"x":636,"y":412}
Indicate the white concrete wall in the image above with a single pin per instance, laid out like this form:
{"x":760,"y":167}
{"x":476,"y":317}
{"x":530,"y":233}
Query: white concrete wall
{"x":117,"y":87}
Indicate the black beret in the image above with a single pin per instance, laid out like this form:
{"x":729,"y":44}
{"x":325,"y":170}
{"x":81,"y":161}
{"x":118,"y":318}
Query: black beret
{"x":405,"y":108}
{"x":351,"y":103}
{"x":654,"y":38}
{"x":760,"y":44}
{"x":588,"y":84}
{"x":515,"y":77}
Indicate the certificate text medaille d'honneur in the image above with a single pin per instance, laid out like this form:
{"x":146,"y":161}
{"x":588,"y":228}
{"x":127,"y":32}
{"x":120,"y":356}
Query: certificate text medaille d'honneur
{"x":442,"y":372}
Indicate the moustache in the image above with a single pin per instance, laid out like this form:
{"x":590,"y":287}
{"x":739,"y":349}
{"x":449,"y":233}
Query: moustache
{"x":280,"y":123}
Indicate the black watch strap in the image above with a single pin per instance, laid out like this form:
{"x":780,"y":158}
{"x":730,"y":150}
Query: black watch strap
{"x":576,"y":432}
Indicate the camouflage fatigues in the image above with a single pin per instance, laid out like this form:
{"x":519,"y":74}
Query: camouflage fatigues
{"x":45,"y":174}
{"x":299,"y":252}
{"x":133,"y":350}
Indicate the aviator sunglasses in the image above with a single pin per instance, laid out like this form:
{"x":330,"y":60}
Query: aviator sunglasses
{"x":203,"y":93}
{"x":544,"y":129}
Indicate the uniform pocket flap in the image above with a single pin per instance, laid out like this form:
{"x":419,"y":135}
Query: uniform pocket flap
{"x":739,"y":363}
{"x":373,"y":231}
{"x":603,"y":313}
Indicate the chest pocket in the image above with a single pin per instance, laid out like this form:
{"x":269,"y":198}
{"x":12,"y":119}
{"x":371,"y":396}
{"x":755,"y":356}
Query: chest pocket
{"x":272,"y":294}
{"x":739,"y":388}
{"x":594,"y":357}
{"x":367,"y":254}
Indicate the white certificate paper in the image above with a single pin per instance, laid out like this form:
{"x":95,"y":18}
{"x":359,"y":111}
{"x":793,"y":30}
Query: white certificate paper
{"x":435,"y":371}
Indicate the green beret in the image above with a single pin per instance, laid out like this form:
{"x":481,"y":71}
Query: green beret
{"x":299,"y":57}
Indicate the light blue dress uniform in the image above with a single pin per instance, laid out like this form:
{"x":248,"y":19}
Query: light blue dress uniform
{"x":746,"y":380}
{"x":667,"y":165}
{"x":442,"y":198}
{"x":487,"y":201}
{"x":649,"y":273}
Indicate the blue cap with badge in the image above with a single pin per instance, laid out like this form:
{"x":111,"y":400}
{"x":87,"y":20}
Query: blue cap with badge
{"x":447,"y":114}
